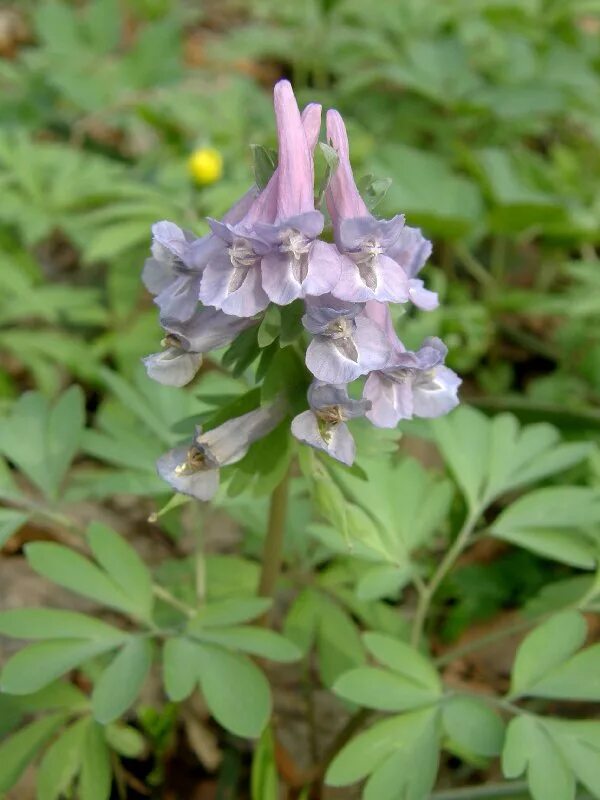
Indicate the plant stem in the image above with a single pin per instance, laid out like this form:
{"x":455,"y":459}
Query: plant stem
{"x":445,"y":566}
{"x":166,"y":596}
{"x":273,"y":549}
{"x":200,"y":562}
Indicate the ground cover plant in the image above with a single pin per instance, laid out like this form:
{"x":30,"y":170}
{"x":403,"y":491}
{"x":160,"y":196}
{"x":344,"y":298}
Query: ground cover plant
{"x":337,"y":535}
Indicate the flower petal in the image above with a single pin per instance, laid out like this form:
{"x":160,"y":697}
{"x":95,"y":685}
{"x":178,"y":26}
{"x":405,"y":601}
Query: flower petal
{"x":230,"y":441}
{"x":390,"y":282}
{"x":337,"y":441}
{"x":411,"y":250}
{"x":202,"y":484}
{"x":295,"y":185}
{"x":179,"y":300}
{"x":437,"y":396}
{"x":156,"y":275}
{"x":390,"y":402}
{"x":423,"y":298}
{"x":220,"y":275}
{"x":208,"y":329}
{"x":342,"y":196}
{"x":173,"y":366}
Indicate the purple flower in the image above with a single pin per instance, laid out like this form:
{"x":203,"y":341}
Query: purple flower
{"x":368,"y":271}
{"x":345,"y":344}
{"x":412,"y":384}
{"x":208,"y":329}
{"x":411,"y":251}
{"x":174,"y":271}
{"x":194,"y":469}
{"x":324,"y":425}
{"x":239,"y":279}
{"x":296,"y":265}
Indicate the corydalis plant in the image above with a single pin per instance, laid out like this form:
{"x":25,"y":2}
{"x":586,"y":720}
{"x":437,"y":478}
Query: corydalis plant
{"x":266,"y":252}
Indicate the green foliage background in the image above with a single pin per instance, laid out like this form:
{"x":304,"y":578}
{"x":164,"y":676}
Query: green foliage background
{"x":485,"y":114}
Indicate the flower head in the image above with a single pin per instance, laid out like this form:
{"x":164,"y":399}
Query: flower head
{"x":185,"y":342}
{"x":345,"y":344}
{"x":194,"y":469}
{"x":368,"y":272}
{"x":412,"y":384}
{"x":324,"y":425}
{"x":205,"y":165}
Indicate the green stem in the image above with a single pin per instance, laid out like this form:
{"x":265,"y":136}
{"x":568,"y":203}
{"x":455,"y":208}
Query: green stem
{"x":200,"y":567}
{"x":273,"y":548}
{"x":444,"y":568}
{"x":166,"y":596}
{"x":474,"y":267}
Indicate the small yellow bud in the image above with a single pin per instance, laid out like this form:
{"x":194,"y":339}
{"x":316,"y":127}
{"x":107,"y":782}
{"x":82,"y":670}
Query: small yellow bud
{"x":205,"y":165}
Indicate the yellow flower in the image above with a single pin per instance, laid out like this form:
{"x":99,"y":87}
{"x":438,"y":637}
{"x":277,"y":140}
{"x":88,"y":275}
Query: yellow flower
{"x":205,"y":165}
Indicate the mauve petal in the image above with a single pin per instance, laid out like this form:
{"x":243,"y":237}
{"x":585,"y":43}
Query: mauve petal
{"x":310,"y":224}
{"x":208,"y":329}
{"x":172,"y":367}
{"x":202,"y":485}
{"x":327,"y":364}
{"x":411,"y":250}
{"x":379,"y":391}
{"x":322,"y":310}
{"x":339,"y":444}
{"x":168,"y":236}
{"x":391,"y":282}
{"x":230,"y":441}
{"x":278,"y":280}
{"x":246,"y":301}
{"x":354,"y":230}
{"x":342,"y":196}
{"x":372,"y":344}
{"x":438,"y":396}
{"x":249,"y":299}
{"x":423,"y":298}
{"x":156,"y":275}
{"x":322,"y":394}
{"x":379,"y":313}
{"x":295,"y":188}
{"x":324,"y":268}
{"x":180,"y":299}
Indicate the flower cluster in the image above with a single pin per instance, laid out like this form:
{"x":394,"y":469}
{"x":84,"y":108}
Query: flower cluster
{"x":267,"y":249}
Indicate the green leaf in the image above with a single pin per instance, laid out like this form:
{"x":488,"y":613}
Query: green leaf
{"x":73,"y":571}
{"x":96,"y":773}
{"x":62,"y":762}
{"x":265,"y":163}
{"x":18,"y":750}
{"x":249,"y":639}
{"x":411,"y":770}
{"x":231,"y":682}
{"x":549,"y":522}
{"x":231,"y":611}
{"x":47,"y":623}
{"x":42,"y":441}
{"x":180,"y":668}
{"x":528,"y":747}
{"x":124,"y":739}
{"x":10,"y":522}
{"x":367,"y":751}
{"x":124,"y":566}
{"x":575,"y":679}
{"x":547,"y":647}
{"x":403,"y":659}
{"x":382,"y":690}
{"x":472,"y":726}
{"x":121,"y":682}
{"x":264,"y":780}
{"x":338,"y":642}
{"x":579,"y":743}
{"x":37,"y":665}
{"x":268,"y":330}
{"x":302,"y":621}
{"x":463,"y":438}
